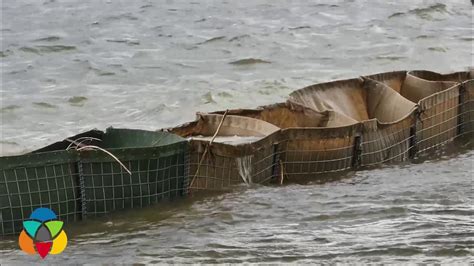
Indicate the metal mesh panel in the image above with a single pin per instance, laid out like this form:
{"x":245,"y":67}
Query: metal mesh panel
{"x":75,"y":183}
{"x":466,"y":121}
{"x":218,"y":165}
{"x":442,"y":115}
{"x":187,"y":160}
{"x":386,"y":143}
{"x":438,"y":121}
{"x":308,"y":152}
{"x":215,"y":172}
{"x":221,"y":172}
{"x":157,"y":174}
{"x":32,"y":181}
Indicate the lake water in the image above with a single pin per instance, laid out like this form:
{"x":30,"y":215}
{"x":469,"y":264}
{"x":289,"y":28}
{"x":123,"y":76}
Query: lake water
{"x":70,"y":65}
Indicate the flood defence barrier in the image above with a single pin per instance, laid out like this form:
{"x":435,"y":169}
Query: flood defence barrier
{"x":92,"y":173}
{"x":323,"y":128}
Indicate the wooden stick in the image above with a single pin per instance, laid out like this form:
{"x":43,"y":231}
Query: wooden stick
{"x":218,"y":128}
{"x":207,"y":148}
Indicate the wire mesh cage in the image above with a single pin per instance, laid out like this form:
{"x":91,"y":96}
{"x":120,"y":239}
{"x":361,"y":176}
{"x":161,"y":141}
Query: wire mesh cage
{"x":38,"y":180}
{"x":92,"y":173}
{"x":307,"y":146}
{"x":309,"y":152}
{"x":156,"y":165}
{"x":223,"y":167}
{"x":438,"y":119}
{"x":443,"y":104}
{"x":466,"y":122}
{"x":388,"y":135}
{"x":383,"y":117}
{"x":227,"y":150}
{"x":384,"y":143}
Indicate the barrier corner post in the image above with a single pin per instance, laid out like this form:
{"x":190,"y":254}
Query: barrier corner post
{"x":461,"y":110}
{"x":357,"y":153}
{"x":275,"y":163}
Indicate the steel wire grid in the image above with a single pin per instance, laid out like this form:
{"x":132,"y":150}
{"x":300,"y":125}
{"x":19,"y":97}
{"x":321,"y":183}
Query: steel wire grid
{"x":305,"y":158}
{"x":387,"y":143}
{"x":440,"y":133}
{"x":220,"y":172}
{"x":23,"y":189}
{"x":75,"y":185}
{"x":466,"y":121}
{"x":439,"y":117}
{"x":108,"y":187}
{"x":187,"y":158}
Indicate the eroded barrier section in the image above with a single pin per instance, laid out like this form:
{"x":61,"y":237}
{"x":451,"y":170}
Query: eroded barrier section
{"x":311,"y":142}
{"x":292,"y":115}
{"x":228,"y":150}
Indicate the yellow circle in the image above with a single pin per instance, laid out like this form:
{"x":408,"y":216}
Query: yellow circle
{"x":59,"y":243}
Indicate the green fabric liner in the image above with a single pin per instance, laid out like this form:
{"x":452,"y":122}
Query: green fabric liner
{"x":49,"y":177}
{"x":130,"y":138}
{"x":157,"y":174}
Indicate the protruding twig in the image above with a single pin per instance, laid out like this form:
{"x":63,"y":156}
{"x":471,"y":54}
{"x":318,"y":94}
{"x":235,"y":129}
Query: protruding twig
{"x":79,"y":144}
{"x":109,"y":153}
{"x":207,"y":148}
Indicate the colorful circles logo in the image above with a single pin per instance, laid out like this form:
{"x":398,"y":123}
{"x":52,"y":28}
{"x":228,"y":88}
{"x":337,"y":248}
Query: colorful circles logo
{"x":43,"y":234}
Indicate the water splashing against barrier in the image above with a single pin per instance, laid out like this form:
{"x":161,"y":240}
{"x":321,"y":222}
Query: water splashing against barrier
{"x":244,"y":165}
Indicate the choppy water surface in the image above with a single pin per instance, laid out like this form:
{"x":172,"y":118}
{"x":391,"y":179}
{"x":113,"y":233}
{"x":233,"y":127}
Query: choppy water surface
{"x":419,"y":212}
{"x":72,"y":65}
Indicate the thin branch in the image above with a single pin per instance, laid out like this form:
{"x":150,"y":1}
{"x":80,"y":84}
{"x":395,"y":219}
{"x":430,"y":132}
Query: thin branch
{"x":207,"y":148}
{"x":79,"y":144}
{"x":110,"y":154}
